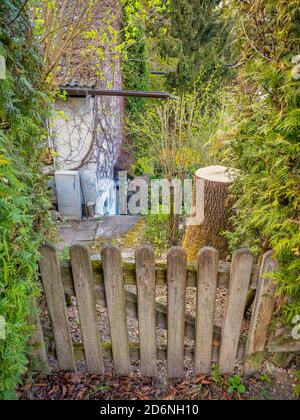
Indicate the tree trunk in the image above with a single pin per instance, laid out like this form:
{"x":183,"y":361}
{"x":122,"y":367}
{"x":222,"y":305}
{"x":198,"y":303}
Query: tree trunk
{"x":217,"y":211}
{"x":173,"y":222}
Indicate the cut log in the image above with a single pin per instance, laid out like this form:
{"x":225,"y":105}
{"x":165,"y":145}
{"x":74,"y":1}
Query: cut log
{"x":217,"y":211}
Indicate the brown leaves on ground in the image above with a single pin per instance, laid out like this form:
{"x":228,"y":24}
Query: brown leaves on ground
{"x":77,"y":386}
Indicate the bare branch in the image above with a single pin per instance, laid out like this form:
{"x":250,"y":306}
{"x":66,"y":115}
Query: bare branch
{"x":19,"y":13}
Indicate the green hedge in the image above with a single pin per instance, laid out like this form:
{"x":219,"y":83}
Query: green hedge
{"x":135,"y":72}
{"x":23,"y":189}
{"x":264,"y":142}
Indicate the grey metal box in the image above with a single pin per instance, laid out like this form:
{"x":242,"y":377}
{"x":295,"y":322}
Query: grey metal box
{"x":68,"y":191}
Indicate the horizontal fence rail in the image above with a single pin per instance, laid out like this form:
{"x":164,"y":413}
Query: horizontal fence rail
{"x":103,"y":283}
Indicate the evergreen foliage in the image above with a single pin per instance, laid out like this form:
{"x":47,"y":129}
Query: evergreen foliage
{"x":195,"y":34}
{"x":23,"y":189}
{"x":264,"y":141}
{"x":135,"y":61}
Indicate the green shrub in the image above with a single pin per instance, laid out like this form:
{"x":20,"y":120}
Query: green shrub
{"x":235,"y":385}
{"x":264,"y":141}
{"x":157,"y":232}
{"x":194,"y":38}
{"x":23,"y":189}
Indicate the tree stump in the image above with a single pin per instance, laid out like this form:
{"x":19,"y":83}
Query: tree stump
{"x":217,"y":211}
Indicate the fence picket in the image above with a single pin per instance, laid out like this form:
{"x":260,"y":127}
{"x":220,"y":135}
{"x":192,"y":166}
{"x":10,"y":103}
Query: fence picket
{"x":104,"y":282}
{"x":37,"y":339}
{"x":177,"y":272}
{"x":52,"y":283}
{"x":145,"y":278}
{"x":206,"y":296}
{"x":85,"y":294}
{"x":240,"y":276}
{"x":115,"y":297}
{"x":261,"y":316}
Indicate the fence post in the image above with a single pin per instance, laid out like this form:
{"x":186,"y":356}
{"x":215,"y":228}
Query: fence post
{"x":115,"y":297}
{"x":177,"y":271}
{"x":261,"y":316}
{"x":52,"y":283}
{"x":240,"y":276}
{"x":145,"y":279}
{"x":207,"y":276}
{"x":85,"y":294}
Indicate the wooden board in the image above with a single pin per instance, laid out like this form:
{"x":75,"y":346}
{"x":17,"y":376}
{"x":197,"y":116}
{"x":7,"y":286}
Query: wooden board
{"x":37,"y":339}
{"x":52,"y":283}
{"x":145,"y":277}
{"x":160,"y":273}
{"x":177,"y":262}
{"x":85,"y":294}
{"x":205,"y":309}
{"x":240,"y":277}
{"x":115,"y":298}
{"x":261,"y":316}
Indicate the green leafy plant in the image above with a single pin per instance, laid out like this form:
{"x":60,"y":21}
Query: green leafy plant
{"x":266,"y":394}
{"x":235,"y":385}
{"x":265,"y":378}
{"x":216,"y":375}
{"x":179,"y":135}
{"x":262,"y":138}
{"x":297,"y":385}
{"x":156,"y":232}
{"x":193,"y":37}
{"x":24,"y":202}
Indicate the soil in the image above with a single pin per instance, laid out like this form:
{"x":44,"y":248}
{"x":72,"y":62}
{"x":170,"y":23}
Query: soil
{"x":79,"y":386}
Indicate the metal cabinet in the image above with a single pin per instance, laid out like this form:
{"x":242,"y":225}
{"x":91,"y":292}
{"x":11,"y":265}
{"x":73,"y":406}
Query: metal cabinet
{"x":68,"y":191}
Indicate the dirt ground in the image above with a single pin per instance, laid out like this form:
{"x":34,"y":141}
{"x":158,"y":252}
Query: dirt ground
{"x":277,"y":385}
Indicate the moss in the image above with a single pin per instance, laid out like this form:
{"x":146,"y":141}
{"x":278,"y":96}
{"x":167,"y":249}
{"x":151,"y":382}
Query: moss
{"x":134,"y":236}
{"x":130,"y":239}
{"x":256,"y":359}
{"x":106,"y":345}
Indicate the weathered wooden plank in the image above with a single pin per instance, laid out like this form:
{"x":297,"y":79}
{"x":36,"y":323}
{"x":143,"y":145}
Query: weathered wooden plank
{"x":281,"y":340}
{"x":240,"y":277}
{"x":145,"y":278}
{"x":37,"y":339}
{"x":177,"y":262}
{"x":115,"y":298}
{"x":261,"y":315}
{"x":161,"y":313}
{"x":52,"y":283}
{"x":160,"y":273}
{"x":205,"y":310}
{"x":85,"y":294}
{"x":135,"y":351}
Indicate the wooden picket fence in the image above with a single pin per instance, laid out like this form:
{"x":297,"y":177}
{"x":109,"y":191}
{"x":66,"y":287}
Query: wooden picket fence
{"x":102,"y":282}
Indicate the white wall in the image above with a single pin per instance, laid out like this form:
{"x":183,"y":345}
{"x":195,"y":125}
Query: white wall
{"x":86,"y":135}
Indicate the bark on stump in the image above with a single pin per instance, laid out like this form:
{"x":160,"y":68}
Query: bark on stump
{"x":217,"y":211}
